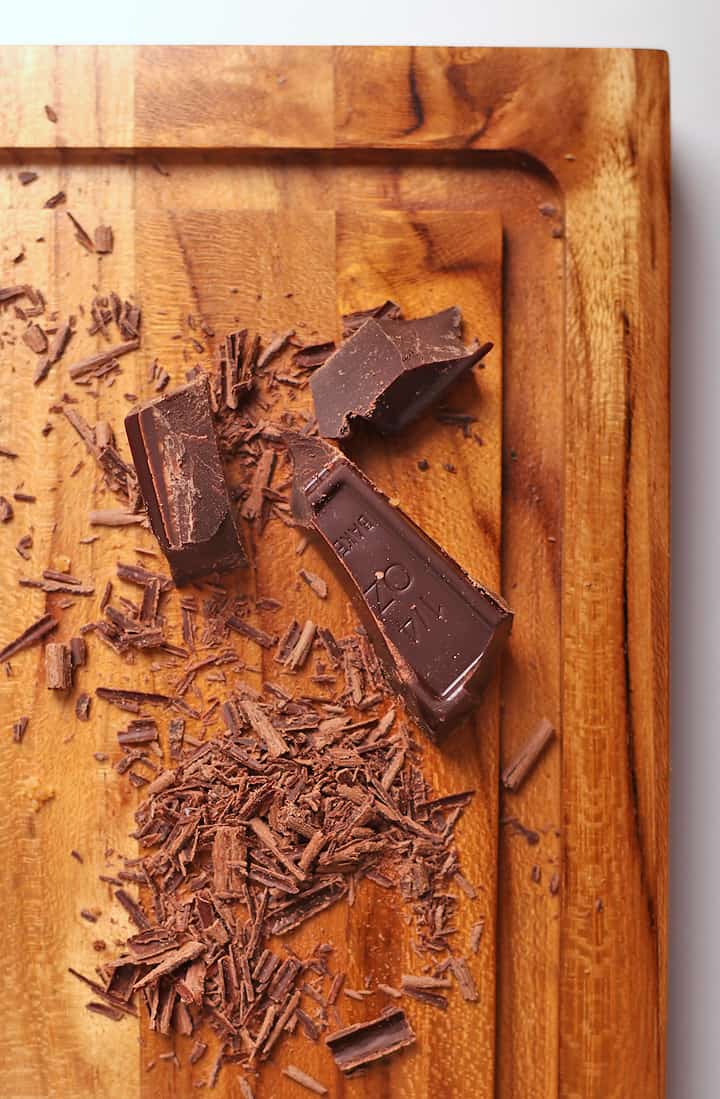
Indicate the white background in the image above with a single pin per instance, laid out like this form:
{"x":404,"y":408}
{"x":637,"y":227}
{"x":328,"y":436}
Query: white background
{"x":689,"y":31}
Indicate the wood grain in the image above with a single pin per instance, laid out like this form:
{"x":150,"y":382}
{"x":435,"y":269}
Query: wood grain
{"x":584,"y":136}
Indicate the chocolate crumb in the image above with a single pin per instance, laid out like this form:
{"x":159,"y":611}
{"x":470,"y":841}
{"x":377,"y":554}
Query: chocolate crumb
{"x":19,"y":727}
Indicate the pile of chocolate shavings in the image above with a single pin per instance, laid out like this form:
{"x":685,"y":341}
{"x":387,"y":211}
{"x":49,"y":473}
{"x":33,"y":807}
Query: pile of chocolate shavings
{"x":252,"y":834}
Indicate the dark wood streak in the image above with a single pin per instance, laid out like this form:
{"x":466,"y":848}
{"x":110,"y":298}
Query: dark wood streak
{"x":416,"y":105}
{"x":433,"y":262}
{"x":627,"y":349}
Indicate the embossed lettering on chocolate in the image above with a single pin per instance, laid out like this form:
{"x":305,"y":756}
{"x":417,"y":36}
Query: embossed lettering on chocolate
{"x":438,"y":631}
{"x":182,"y":481}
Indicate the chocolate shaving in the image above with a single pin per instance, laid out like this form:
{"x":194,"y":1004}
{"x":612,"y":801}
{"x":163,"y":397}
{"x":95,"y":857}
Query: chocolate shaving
{"x":308,"y":358}
{"x":31,"y":636}
{"x":103,"y":239}
{"x":57,"y":586}
{"x":19,"y":727}
{"x":55,"y":351}
{"x":315,"y":583}
{"x":353,"y":321}
{"x":81,"y":236}
{"x":6,"y":510}
{"x":92,"y":363}
{"x":260,"y":482}
{"x":34,"y":338}
{"x":518,"y":770}
{"x":114,"y":518}
{"x":55,"y":200}
{"x":82,"y":707}
{"x":58,"y":667}
{"x":356,"y":1046}
{"x":308,"y":1082}
{"x":118,"y":696}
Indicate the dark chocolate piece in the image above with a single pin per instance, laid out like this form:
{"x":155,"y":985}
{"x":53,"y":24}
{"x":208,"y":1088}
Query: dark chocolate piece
{"x":182,"y":481}
{"x":438,"y":630}
{"x":389,"y":371}
{"x":58,"y":667}
{"x":359,"y":1045}
{"x":520,"y":767}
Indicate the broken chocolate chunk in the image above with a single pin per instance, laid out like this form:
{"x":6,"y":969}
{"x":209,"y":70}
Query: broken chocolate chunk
{"x":182,"y":481}
{"x":388,"y":372}
{"x":356,"y":1046}
{"x":58,"y":667}
{"x":438,"y":630}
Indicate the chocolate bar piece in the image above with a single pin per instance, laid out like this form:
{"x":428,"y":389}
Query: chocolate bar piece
{"x":389,"y":371}
{"x":437,"y":630}
{"x":181,"y":478}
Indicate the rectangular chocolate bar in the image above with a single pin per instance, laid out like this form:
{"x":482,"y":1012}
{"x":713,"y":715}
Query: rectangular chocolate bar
{"x":438,"y":630}
{"x":182,"y":481}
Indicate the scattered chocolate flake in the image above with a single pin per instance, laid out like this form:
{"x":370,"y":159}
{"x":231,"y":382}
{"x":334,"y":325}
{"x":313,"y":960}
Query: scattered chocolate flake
{"x":78,"y":652}
{"x":10,"y":293}
{"x":302,"y":647}
{"x":66,"y":586}
{"x":238,"y":362}
{"x":27,"y":176}
{"x":24,"y":545}
{"x":198,"y":1050}
{"x":308,"y":1082}
{"x":24,"y":497}
{"x":19,"y":727}
{"x":352,"y":321}
{"x":34,"y":338}
{"x":55,"y":200}
{"x":315,"y":583}
{"x":389,"y":991}
{"x":109,"y":517}
{"x":239,"y":625}
{"x":81,"y":235}
{"x":520,"y":767}
{"x":100,"y":359}
{"x":133,"y":909}
{"x":56,"y":348}
{"x":464,"y":978}
{"x":423,"y":464}
{"x":103,"y":239}
{"x":356,"y":1046}
{"x":50,"y":113}
{"x":6,"y":510}
{"x":109,"y":1012}
{"x":77,"y":856}
{"x":58,"y":667}
{"x":536,"y":874}
{"x":121,"y":697}
{"x":273,"y":740}
{"x":312,"y":356}
{"x":275,"y":348}
{"x":261,"y":481}
{"x":554,"y":886}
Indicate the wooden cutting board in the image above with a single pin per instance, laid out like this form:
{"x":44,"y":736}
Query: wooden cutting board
{"x":531,"y":187}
